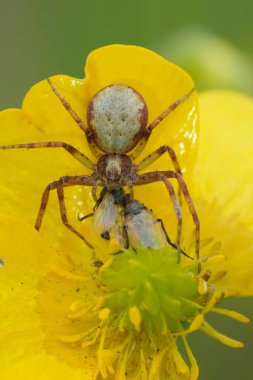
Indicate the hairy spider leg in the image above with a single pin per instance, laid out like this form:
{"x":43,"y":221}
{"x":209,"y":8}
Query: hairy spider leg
{"x":88,"y":132}
{"x":63,"y":211}
{"x":59,"y":185}
{"x":158,"y":153}
{"x":155,"y":155}
{"x":54,"y":144}
{"x":159,"y":176}
{"x":154,"y":177}
{"x":142,"y":143}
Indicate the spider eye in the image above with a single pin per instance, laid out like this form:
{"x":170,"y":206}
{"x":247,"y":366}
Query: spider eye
{"x":118,"y":115}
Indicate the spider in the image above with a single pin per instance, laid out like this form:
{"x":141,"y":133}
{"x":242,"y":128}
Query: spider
{"x":117,"y":119}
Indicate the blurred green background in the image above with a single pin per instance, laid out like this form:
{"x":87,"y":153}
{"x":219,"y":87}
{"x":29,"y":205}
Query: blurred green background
{"x":212,"y":40}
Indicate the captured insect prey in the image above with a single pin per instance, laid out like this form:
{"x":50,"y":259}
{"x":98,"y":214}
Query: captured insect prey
{"x":117,"y":123}
{"x":116,"y":215}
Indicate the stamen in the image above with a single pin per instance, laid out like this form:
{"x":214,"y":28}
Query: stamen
{"x":181,"y":366}
{"x":199,"y":319}
{"x":144,"y":374}
{"x":210,"y":304}
{"x":105,"y":362}
{"x":104,"y":313}
{"x":70,"y":276}
{"x":92,"y":341}
{"x":194,"y":364}
{"x":77,"y":311}
{"x":72,"y":338}
{"x":202,"y":286}
{"x":196,"y":323}
{"x":232,"y":314}
{"x":99,"y":304}
{"x":210,"y":331}
{"x":135,"y":317}
{"x":107,"y":264}
{"x":156,"y":363}
{"x":121,"y":370}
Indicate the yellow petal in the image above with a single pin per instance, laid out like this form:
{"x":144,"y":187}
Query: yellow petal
{"x":50,"y":116}
{"x":224,"y":186}
{"x":25,"y":353}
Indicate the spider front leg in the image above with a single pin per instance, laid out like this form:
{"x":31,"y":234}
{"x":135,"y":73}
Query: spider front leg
{"x":155,"y":155}
{"x":88,"y":132}
{"x":155,"y":177}
{"x":158,"y":153}
{"x":59,"y":185}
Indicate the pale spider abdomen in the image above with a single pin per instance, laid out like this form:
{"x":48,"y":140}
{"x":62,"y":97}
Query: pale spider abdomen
{"x":117,"y":115}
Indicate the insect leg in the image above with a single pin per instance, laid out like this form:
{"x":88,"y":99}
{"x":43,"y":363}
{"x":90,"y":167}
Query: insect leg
{"x":85,"y":217}
{"x":126,"y":237}
{"x":168,"y":238}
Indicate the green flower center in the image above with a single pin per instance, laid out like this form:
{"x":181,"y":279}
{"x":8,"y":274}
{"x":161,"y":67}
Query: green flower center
{"x":149,"y":290}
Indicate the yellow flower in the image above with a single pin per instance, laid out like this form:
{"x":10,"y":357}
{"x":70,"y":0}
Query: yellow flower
{"x":61,"y":317}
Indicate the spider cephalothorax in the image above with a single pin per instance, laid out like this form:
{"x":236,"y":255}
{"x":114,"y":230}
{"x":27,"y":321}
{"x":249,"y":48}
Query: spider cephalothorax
{"x":116,"y":124}
{"x":113,"y":169}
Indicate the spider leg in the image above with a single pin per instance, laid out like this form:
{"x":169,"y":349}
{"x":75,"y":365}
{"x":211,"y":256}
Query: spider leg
{"x":60,"y":193}
{"x":151,"y":177}
{"x":62,"y":182}
{"x":158,"y":176}
{"x":142,"y":143}
{"x":158,"y":153}
{"x":155,"y":155}
{"x":88,"y":132}
{"x":54,"y":144}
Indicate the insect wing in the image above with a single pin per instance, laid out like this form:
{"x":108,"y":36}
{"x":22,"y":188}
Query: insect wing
{"x":105,"y":215}
{"x":117,"y":231}
{"x":144,"y":231}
